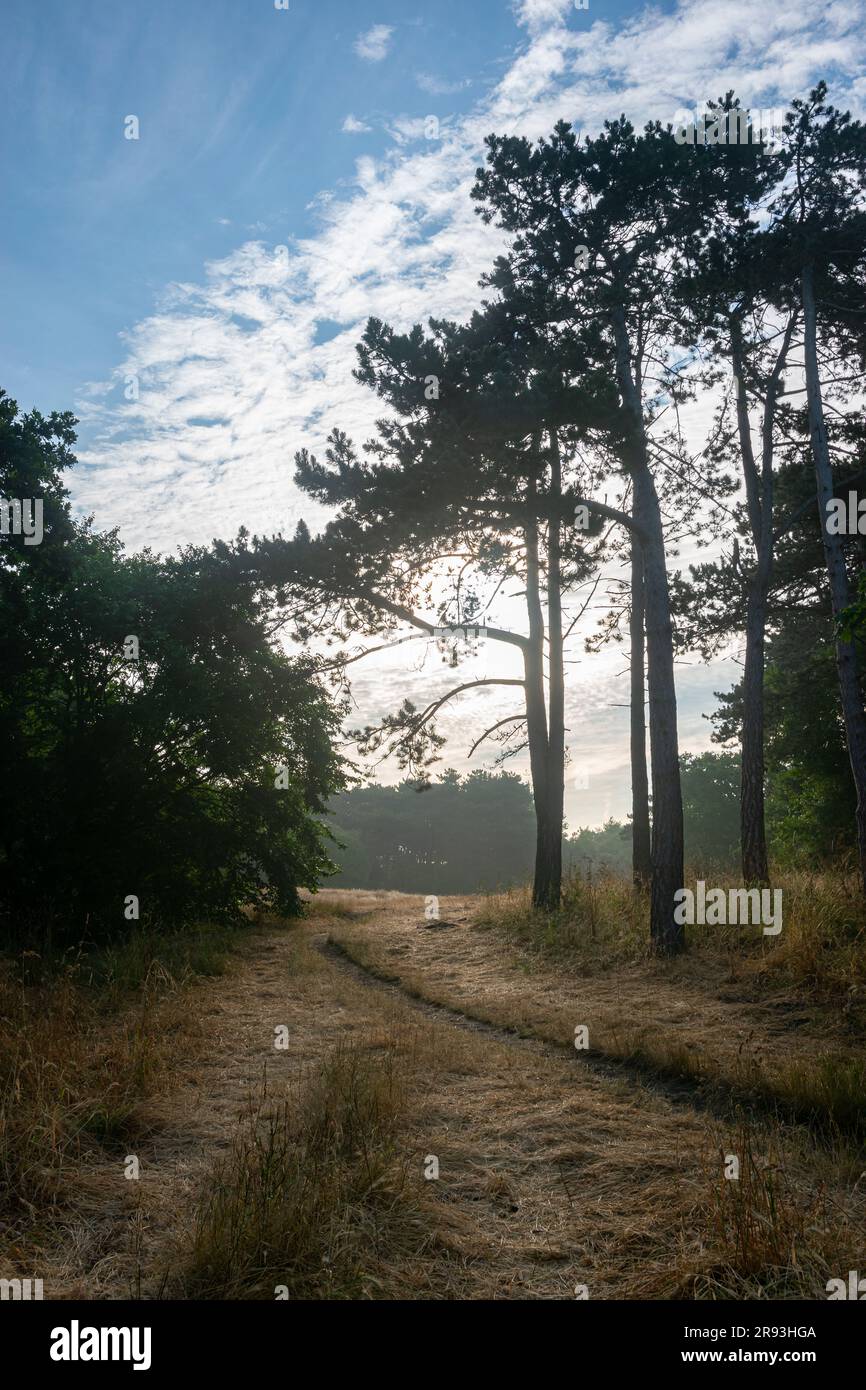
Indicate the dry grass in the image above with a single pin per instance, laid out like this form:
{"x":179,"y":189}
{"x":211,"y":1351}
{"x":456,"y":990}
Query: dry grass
{"x":304,"y":1168}
{"x":312,"y":1190}
{"x":781,"y":1228}
{"x":601,"y":923}
{"x":291,"y":1205}
{"x":351,"y":903}
{"x":81,"y":1046}
{"x":604,"y":923}
{"x":666,"y":1223}
{"x":323,"y":1190}
{"x":731,"y":1017}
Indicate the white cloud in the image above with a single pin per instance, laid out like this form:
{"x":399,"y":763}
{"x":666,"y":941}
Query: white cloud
{"x":373,"y":45}
{"x":352,"y":126}
{"x":439,"y":87}
{"x":407,"y":128}
{"x":541,"y":14}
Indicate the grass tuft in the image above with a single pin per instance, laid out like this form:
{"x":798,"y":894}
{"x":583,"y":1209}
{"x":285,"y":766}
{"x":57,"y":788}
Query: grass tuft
{"x":310,"y":1191}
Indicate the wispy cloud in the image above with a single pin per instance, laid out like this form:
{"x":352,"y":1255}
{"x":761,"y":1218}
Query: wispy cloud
{"x":439,"y":87}
{"x":352,"y":126}
{"x":404,"y":129}
{"x":401,"y":243}
{"x":373,"y":45}
{"x":538,"y":15}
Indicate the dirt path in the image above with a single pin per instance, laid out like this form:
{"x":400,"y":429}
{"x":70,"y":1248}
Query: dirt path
{"x":698,"y":1011}
{"x":552,"y":1174}
{"x":615,"y":1072}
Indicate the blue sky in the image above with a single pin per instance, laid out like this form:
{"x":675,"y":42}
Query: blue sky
{"x":284,"y":186}
{"x":241,"y":113}
{"x":241,"y":109}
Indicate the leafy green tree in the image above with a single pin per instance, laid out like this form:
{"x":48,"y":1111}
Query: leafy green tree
{"x":810,"y":795}
{"x":798,"y":223}
{"x":463,"y":482}
{"x":510,"y":403}
{"x":711,"y":784}
{"x":163,"y":758}
{"x":729,"y":292}
{"x":608,"y":848}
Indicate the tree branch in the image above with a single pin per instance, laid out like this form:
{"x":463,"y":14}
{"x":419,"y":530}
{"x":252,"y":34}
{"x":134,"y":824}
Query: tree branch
{"x":498,"y":634}
{"x":509,"y":719}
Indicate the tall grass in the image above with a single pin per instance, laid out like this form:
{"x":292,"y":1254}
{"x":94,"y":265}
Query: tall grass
{"x":775,"y":1231}
{"x":82,"y":1042}
{"x":603,"y":921}
{"x":157,"y":961}
{"x":818,"y":961}
{"x":311,"y":1191}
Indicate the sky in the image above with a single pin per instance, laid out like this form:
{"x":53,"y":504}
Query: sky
{"x":195,"y":294}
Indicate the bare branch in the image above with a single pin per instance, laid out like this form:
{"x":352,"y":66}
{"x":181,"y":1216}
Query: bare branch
{"x":509,"y":719}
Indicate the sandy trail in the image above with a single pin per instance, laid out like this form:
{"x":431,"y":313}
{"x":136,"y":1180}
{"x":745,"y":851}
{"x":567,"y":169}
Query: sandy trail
{"x":705,"y":1006}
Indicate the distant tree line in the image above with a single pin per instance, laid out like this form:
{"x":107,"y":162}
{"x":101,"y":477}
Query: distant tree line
{"x":476,"y":834}
{"x":456,"y":835}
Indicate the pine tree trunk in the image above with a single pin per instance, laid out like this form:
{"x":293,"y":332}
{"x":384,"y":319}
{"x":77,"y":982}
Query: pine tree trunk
{"x":640,"y":819}
{"x":546,"y":885}
{"x":556,"y":683}
{"x":547,"y":880}
{"x":753,"y":840}
{"x":759,"y":500}
{"x":667,"y":936}
{"x":846,"y":663}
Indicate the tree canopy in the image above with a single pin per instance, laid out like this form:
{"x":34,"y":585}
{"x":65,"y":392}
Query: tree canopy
{"x":163,"y":759}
